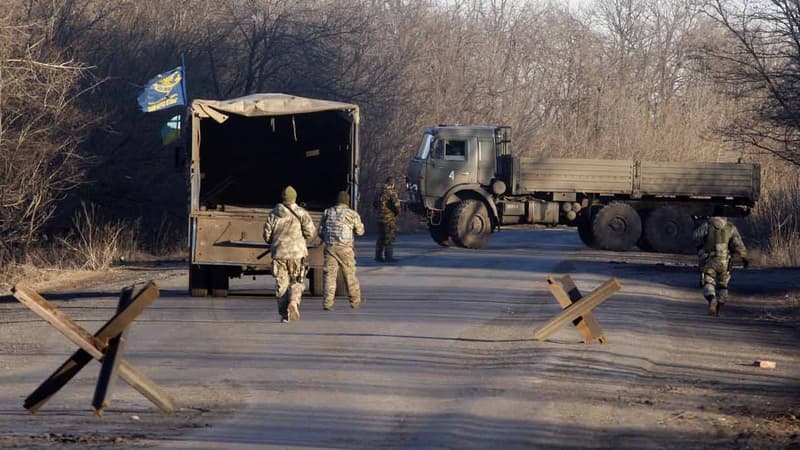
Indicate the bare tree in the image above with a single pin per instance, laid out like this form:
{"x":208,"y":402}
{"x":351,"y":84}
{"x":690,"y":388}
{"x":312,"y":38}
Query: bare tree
{"x":763,"y":66}
{"x":40,"y":129}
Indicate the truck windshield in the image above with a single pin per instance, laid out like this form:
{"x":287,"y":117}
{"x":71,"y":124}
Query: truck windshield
{"x":425,"y":146}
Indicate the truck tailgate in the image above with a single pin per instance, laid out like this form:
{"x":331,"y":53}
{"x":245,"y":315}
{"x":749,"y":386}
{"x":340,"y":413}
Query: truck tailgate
{"x":222,"y":238}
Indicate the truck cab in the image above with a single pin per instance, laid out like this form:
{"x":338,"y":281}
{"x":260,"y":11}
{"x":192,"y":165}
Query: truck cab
{"x":457,"y":165}
{"x":452,"y":156}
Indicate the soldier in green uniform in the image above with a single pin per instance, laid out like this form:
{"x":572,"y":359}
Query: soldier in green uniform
{"x":337,"y":228}
{"x":717,"y":239}
{"x":388,"y":206}
{"x":286,"y":230}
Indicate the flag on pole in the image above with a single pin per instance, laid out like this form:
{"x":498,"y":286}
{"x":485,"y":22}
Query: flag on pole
{"x":163,"y":91}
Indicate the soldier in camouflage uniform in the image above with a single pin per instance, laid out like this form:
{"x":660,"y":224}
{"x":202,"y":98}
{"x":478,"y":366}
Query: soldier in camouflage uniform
{"x":716,"y":239}
{"x":388,"y":206}
{"x":286,"y":230}
{"x":336,"y":229}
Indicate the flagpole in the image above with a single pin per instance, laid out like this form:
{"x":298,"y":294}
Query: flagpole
{"x":183,"y":81}
{"x":187,"y":105}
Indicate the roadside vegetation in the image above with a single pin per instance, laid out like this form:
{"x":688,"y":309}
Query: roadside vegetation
{"x":85,"y":181}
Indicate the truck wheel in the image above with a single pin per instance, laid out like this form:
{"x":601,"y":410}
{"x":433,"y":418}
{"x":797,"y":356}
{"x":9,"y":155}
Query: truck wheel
{"x":441,"y":234}
{"x":219,"y":281}
{"x":669,"y":230}
{"x":617,"y":226}
{"x":199,"y":281}
{"x":470,"y":225}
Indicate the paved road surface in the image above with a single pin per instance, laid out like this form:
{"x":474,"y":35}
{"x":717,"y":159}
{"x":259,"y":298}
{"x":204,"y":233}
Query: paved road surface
{"x":441,"y":356}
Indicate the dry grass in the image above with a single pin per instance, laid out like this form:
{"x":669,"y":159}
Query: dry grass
{"x":773,"y":230}
{"x":93,"y":242}
{"x":42,"y":278}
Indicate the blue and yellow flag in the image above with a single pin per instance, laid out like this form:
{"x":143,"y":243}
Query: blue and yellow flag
{"x":163,"y":91}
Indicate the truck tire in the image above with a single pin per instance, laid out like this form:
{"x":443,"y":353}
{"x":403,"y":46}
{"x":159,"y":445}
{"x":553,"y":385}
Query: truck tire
{"x":617,"y":226}
{"x":441,"y":234}
{"x":219,"y":281}
{"x":199,"y":281}
{"x":669,"y":230}
{"x":470,"y":226}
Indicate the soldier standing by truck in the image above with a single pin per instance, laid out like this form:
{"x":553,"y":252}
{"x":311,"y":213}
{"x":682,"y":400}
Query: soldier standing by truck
{"x":716,"y":239}
{"x":286,"y":230}
{"x":336,"y":228}
{"x":388,"y":206}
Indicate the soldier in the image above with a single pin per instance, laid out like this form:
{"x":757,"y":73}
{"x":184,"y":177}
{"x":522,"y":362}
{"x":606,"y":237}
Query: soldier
{"x":336,"y":229}
{"x":388,"y":206}
{"x":286,"y":230}
{"x":716,"y":239}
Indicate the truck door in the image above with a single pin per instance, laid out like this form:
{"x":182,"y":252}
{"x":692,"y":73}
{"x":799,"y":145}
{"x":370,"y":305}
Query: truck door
{"x":486,"y":160}
{"x":450,"y":164}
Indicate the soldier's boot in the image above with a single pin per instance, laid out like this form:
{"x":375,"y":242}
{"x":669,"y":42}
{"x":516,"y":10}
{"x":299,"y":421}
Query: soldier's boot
{"x":379,"y":252}
{"x":356,"y":303}
{"x":723,"y":297}
{"x":389,"y":253}
{"x":294,"y":311}
{"x":712,"y":304}
{"x":327,"y":305}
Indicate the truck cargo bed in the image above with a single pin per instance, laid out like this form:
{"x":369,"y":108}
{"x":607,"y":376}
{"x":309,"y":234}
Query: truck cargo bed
{"x":638,"y":178}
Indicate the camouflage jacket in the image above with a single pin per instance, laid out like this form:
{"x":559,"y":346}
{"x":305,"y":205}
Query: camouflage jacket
{"x":717,"y":238}
{"x":287,"y":233}
{"x":338,"y":225}
{"x":388,"y":204}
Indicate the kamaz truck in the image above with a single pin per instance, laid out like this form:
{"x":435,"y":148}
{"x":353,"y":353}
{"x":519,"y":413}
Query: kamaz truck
{"x":244,"y":152}
{"x":468,"y":184}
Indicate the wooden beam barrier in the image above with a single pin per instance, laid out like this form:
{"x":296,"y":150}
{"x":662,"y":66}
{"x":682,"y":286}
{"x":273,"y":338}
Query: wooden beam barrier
{"x":577,"y":309}
{"x":566,"y":293}
{"x":108,"y":369}
{"x":91,"y":346}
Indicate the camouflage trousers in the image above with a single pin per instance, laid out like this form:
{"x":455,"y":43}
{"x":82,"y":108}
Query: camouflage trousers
{"x":387,"y":232}
{"x":340,"y":257}
{"x":716,"y":276}
{"x":289,"y":283}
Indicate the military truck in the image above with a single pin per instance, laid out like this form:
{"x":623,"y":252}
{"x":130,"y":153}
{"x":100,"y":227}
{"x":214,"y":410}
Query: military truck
{"x":467,"y":183}
{"x":244,"y":151}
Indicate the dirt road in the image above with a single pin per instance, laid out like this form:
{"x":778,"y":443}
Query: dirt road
{"x":441,"y":356}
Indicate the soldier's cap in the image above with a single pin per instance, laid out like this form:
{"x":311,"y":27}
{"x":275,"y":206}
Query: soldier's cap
{"x":343,"y":198}
{"x":289,"y":195}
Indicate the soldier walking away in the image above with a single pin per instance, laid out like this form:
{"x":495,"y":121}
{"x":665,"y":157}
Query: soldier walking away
{"x":716,"y":240}
{"x":337,"y":228}
{"x":286,"y":230}
{"x":388,"y":206}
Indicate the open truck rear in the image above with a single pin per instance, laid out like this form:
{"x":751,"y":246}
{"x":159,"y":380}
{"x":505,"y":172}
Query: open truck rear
{"x":244,"y":152}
